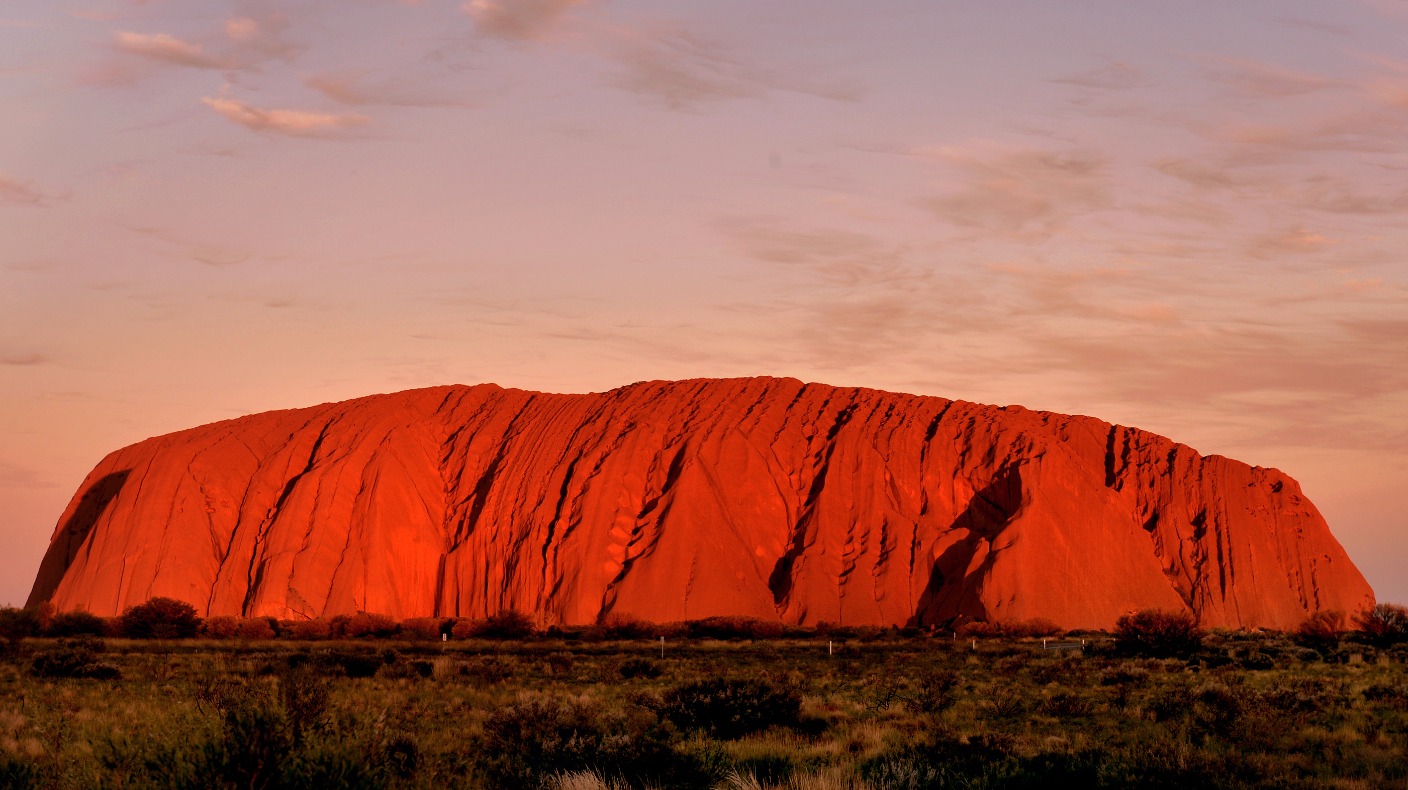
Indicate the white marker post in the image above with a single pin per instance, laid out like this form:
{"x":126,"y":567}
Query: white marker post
{"x":662,"y":647}
{"x":828,"y":647}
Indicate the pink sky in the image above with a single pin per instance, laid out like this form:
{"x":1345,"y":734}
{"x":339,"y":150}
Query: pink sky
{"x":1187,"y":217}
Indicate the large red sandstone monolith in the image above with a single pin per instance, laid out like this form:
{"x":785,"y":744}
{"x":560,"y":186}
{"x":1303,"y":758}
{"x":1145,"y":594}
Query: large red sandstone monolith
{"x":668,"y":501}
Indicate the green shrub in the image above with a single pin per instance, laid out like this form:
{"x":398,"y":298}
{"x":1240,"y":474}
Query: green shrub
{"x":74,"y":658}
{"x":353,"y":663}
{"x":18,"y":772}
{"x":934,"y":691}
{"x":1015,"y":629}
{"x":1158,"y":634}
{"x":414,"y":669}
{"x":1064,"y":704}
{"x":271,"y":734}
{"x":77,"y":623}
{"x":1004,"y":704}
{"x":733,"y":628}
{"x":159,"y":618}
{"x":1322,"y":629}
{"x":220,"y":627}
{"x":362,"y":625}
{"x":731,"y":707}
{"x":1215,"y":710}
{"x":16,"y":624}
{"x":536,"y":737}
{"x":560,"y":663}
{"x":226,"y":627}
{"x":639,"y":668}
{"x":305,"y":630}
{"x":426,"y":628}
{"x":1383,"y":626}
{"x":260,"y":628}
{"x":490,"y":669}
{"x":508,"y":624}
{"x":616,"y":626}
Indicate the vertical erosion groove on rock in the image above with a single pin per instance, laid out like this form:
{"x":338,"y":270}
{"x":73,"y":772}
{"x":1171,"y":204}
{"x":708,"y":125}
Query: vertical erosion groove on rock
{"x":669,"y":501}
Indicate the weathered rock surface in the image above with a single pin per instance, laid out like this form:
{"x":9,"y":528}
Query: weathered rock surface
{"x":680,"y":500}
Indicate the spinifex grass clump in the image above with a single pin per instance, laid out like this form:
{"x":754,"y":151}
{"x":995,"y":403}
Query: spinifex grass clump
{"x":536,"y":737}
{"x":732,"y":707}
{"x":74,"y":658}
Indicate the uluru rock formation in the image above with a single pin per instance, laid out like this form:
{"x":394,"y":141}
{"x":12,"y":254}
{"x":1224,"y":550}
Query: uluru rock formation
{"x":669,"y":501}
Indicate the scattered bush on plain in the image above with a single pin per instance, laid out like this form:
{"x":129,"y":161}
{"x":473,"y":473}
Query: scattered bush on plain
{"x":1322,"y":630}
{"x":159,"y":618}
{"x":1015,"y":629}
{"x":1158,"y":634}
{"x":363,"y":625}
{"x":423,"y":628}
{"x":74,"y":658}
{"x":1384,"y":625}
{"x":78,"y":623}
{"x":731,"y":708}
{"x":537,"y":737}
{"x":17,"y":624}
{"x":305,"y":630}
{"x":732,"y":628}
{"x":508,"y":624}
{"x":621,"y":627}
{"x":639,"y":668}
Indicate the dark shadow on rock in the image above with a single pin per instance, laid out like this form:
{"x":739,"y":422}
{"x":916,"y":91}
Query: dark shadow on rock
{"x":70,"y":538}
{"x":988,"y":513}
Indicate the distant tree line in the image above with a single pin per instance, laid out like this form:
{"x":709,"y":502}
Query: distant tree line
{"x":1149,"y":632}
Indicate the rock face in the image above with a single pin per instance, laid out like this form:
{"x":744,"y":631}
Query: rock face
{"x":668,"y":501}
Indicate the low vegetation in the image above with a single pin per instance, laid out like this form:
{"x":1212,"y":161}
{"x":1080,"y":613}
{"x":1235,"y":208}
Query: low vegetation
{"x":365,"y":702}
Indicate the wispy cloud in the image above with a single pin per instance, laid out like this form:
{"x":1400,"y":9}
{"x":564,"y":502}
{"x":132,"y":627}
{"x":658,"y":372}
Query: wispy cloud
{"x":168,"y":49}
{"x":841,"y":256}
{"x":355,"y":88}
{"x":23,"y":359}
{"x":258,"y":38}
{"x":1025,"y":193}
{"x":1290,"y":241}
{"x":294,"y":123}
{"x":20,"y":193}
{"x":200,"y":252}
{"x":1263,"y":80}
{"x":1115,"y":75}
{"x":16,"y":476}
{"x":239,"y":45}
{"x":683,"y":70}
{"x":522,"y":20}
{"x":1313,"y":24}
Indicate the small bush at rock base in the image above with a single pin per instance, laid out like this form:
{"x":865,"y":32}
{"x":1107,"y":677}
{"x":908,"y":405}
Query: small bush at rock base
{"x":1157,"y":633}
{"x":77,"y":623}
{"x":1384,"y":625}
{"x":159,"y":618}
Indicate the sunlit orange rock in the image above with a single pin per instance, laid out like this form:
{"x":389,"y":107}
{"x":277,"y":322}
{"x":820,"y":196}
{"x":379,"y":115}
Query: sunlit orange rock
{"x":680,"y":500}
